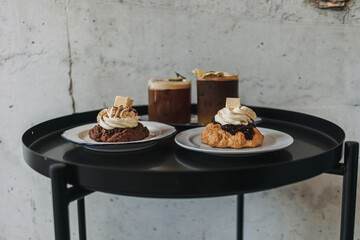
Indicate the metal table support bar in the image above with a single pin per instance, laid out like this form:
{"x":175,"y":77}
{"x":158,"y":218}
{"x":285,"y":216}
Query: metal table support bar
{"x":349,"y":171}
{"x":62,"y":197}
{"x":76,"y":192}
{"x":240,"y":217}
{"x":81,"y":219}
{"x":60,"y":202}
{"x":349,"y":190}
{"x":337,"y":170}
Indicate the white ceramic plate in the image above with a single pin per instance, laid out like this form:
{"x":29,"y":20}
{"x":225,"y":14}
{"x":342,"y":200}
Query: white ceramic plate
{"x":273,"y":140}
{"x":80,"y":135}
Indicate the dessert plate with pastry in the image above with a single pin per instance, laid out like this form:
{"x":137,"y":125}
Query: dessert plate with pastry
{"x":233,"y":132}
{"x":119,"y":129}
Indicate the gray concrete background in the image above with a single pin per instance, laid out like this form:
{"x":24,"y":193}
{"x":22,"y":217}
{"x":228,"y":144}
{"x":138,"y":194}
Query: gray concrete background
{"x":288,"y":55}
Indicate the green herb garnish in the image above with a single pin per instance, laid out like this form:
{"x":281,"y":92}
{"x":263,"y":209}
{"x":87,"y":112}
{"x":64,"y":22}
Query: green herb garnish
{"x":181,"y":76}
{"x":178,"y":79}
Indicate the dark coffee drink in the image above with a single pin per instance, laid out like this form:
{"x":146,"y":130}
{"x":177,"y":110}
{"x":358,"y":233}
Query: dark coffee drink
{"x":169,"y":101}
{"x":212,"y":92}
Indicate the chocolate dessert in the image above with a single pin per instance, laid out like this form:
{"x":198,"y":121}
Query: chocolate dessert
{"x":119,"y":123}
{"x":100,"y":134}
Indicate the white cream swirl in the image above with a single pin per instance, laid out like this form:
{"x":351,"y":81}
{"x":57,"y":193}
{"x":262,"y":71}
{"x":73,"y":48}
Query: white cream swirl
{"x":241,"y":115}
{"x":117,"y":117}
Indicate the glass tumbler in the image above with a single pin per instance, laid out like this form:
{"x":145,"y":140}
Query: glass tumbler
{"x":169,"y":101}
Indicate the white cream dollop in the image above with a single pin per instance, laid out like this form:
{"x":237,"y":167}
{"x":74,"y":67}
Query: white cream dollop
{"x":117,"y":117}
{"x":241,"y":115}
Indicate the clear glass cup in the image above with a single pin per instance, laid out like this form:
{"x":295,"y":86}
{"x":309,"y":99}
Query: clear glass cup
{"x":212,"y":92}
{"x":169,"y":101}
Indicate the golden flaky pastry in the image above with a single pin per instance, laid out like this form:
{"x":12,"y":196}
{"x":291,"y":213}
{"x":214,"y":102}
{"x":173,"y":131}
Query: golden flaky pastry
{"x":214,"y":136}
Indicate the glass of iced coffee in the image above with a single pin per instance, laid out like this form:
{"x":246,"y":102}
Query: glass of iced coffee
{"x":169,"y":100}
{"x":212,"y":90}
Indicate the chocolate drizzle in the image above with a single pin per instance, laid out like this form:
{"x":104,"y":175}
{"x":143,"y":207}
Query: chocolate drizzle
{"x":247,"y":130}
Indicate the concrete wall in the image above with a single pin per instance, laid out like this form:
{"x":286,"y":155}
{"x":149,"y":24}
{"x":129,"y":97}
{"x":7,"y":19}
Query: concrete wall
{"x":59,"y":57}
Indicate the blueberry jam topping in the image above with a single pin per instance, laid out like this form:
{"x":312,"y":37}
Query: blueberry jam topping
{"x":247,"y":130}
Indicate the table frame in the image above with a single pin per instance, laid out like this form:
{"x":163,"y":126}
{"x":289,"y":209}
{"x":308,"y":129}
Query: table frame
{"x":64,"y":195}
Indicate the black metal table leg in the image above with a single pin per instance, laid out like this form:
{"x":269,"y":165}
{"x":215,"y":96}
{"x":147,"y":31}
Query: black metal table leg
{"x":60,"y":202}
{"x":240,"y":217}
{"x":81,"y":218}
{"x":349,"y":190}
{"x":62,"y":196}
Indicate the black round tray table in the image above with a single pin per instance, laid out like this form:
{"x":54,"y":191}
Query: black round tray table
{"x":169,"y":171}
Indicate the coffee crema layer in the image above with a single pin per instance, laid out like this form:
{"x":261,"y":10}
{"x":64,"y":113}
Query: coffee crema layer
{"x":164,"y":84}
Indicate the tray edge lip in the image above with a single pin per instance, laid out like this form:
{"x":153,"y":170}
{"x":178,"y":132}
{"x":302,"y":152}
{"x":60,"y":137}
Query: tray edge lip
{"x":26,"y":146}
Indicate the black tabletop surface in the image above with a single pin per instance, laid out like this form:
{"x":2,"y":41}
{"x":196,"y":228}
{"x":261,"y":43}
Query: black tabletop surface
{"x":167,"y":170}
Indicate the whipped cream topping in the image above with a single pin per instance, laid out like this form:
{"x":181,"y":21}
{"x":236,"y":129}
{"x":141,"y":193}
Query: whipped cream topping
{"x":118,"y":117}
{"x":241,"y":115}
